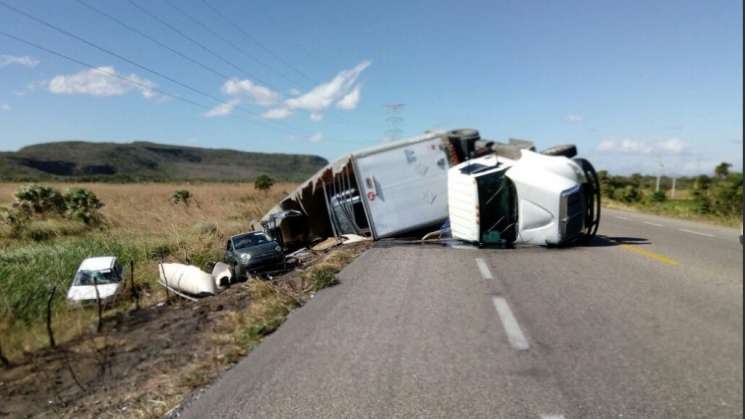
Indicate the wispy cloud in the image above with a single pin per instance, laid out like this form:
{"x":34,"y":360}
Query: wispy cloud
{"x":350,"y":100}
{"x":101,"y":81}
{"x":573,"y":119}
{"x":343,"y":91}
{"x":223,"y":109}
{"x":26,"y":61}
{"x":316,"y":138}
{"x":342,"y":88}
{"x":279,"y":113}
{"x":4,"y":107}
{"x":632,"y":146}
{"x":261,"y":95}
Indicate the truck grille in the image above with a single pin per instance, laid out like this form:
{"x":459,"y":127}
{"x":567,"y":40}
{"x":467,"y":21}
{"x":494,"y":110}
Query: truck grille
{"x":572,"y":213}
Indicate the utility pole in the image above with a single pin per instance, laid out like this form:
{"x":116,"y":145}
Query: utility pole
{"x":659,"y":173}
{"x":672,"y":192}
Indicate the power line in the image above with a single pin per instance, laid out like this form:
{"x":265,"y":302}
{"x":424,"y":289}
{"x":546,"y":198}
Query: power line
{"x":222,"y":76}
{"x":195,"y":42}
{"x":229,"y":42}
{"x":125,"y":59}
{"x":117,"y":76}
{"x":104,"y":72}
{"x":256,"y":41}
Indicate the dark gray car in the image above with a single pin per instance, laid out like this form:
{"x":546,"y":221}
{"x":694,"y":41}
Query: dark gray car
{"x":250,"y":252}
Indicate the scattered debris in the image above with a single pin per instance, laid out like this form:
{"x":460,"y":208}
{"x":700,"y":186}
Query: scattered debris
{"x":187,"y":279}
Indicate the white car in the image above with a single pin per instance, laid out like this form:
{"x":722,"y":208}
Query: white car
{"x":104,"y":273}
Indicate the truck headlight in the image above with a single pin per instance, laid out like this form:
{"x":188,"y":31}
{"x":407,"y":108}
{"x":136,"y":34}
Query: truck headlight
{"x":245,"y":257}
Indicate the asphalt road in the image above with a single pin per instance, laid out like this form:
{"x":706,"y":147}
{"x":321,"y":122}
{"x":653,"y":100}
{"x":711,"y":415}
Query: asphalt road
{"x":644,"y":323}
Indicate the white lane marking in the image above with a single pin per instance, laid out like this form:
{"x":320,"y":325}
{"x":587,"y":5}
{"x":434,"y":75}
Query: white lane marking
{"x":696,"y":233}
{"x":514,"y":333}
{"x":485,"y":272}
{"x":552,"y":416}
{"x":621,"y":218}
{"x":653,"y":224}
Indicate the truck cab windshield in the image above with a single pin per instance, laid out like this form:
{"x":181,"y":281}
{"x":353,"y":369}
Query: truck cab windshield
{"x":498,"y":208}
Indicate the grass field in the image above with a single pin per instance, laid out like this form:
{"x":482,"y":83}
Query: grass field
{"x":141,"y":225}
{"x":681,"y":206}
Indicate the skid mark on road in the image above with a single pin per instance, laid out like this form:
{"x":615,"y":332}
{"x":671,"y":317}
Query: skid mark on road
{"x":511,"y":327}
{"x":652,"y":255}
{"x":698,"y":233}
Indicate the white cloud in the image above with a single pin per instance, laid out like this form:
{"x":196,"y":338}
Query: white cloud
{"x":632,"y":146}
{"x":316,"y":116}
{"x":672,"y":145}
{"x":278,"y":113}
{"x":262,"y":96}
{"x":294,"y":92}
{"x":222,"y":109}
{"x":101,"y":81}
{"x":26,"y":61}
{"x":326,"y":94}
{"x":316,"y":138}
{"x":4,"y":107}
{"x":573,"y":119}
{"x":351,"y":99}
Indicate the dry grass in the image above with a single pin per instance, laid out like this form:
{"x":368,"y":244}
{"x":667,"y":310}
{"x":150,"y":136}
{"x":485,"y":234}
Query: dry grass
{"x":145,"y":209}
{"x":143,"y":217}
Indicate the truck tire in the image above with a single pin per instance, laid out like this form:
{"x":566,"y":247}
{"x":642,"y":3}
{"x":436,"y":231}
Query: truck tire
{"x":566,"y":150}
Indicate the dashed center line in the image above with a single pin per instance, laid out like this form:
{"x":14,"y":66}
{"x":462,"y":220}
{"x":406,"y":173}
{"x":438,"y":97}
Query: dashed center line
{"x":653,"y":224}
{"x":514,"y":333}
{"x":484,"y":269}
{"x":621,"y":218}
{"x":698,"y":233}
{"x":552,"y":416}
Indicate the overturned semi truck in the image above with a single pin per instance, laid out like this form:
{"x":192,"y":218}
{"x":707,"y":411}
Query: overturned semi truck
{"x":395,"y":189}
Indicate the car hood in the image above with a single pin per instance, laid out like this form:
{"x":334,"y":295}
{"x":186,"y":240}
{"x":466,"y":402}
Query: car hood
{"x":88,"y":292}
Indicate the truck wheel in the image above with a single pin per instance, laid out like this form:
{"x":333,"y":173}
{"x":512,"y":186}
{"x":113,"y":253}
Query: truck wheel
{"x":591,"y":191}
{"x":566,"y":150}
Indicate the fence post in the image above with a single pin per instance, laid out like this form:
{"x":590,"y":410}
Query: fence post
{"x":133,"y":288}
{"x":98,"y":303}
{"x":165,"y":279}
{"x":6,"y":362}
{"x":50,"y":332}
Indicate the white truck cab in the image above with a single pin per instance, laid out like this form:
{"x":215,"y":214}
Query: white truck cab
{"x":537,"y":199}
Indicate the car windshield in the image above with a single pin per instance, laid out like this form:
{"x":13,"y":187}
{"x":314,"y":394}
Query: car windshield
{"x":248,"y":240}
{"x":92,"y":277}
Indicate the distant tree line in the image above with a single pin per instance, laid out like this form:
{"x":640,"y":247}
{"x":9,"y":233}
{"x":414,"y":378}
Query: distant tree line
{"x":719,"y":195}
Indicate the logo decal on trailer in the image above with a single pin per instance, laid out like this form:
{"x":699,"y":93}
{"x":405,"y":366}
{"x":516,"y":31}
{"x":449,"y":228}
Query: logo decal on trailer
{"x":371,"y":196}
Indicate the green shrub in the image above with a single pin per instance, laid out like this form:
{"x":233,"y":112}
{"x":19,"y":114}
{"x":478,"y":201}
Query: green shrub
{"x":628,"y":194}
{"x":181,"y":196}
{"x":39,"y":199}
{"x":83,"y":204}
{"x":658,"y":196}
{"x":322,"y":276}
{"x":263,"y":183}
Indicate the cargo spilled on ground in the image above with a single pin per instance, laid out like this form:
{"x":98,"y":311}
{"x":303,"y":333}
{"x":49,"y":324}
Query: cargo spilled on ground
{"x":143,"y":357}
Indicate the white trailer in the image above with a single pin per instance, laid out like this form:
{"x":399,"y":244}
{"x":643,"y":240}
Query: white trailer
{"x":403,"y":185}
{"x":378,"y":192}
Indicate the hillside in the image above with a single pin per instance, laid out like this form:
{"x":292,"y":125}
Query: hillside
{"x":142,"y":161}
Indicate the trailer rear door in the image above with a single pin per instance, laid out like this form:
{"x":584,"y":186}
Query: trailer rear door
{"x":404,"y":188}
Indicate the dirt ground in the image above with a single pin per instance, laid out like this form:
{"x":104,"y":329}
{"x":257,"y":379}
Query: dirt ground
{"x":144,"y":362}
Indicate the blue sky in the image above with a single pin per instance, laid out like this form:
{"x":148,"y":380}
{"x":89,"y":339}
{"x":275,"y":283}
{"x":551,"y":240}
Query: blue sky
{"x":635,"y":85}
